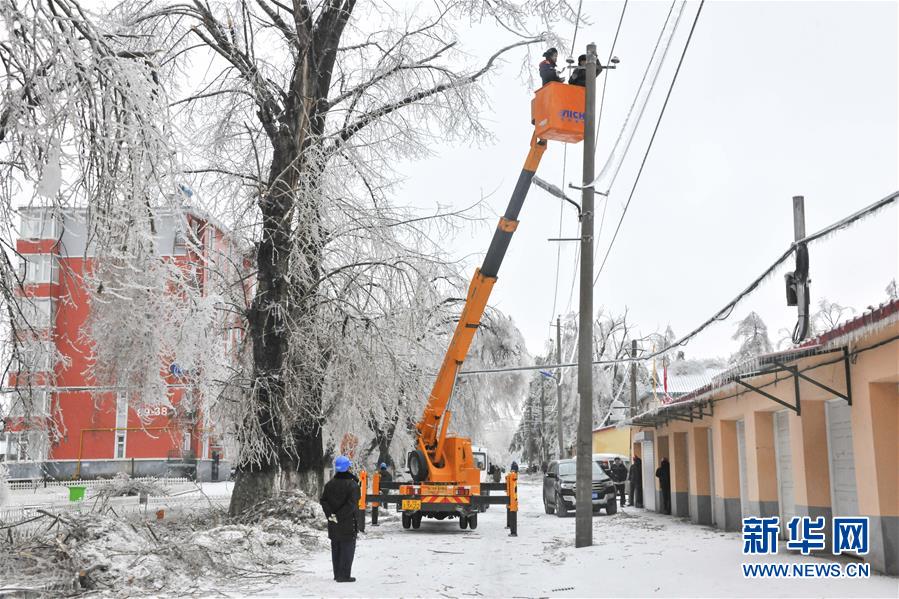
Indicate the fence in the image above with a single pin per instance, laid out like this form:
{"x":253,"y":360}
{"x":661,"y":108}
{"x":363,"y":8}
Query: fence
{"x":27,"y":485}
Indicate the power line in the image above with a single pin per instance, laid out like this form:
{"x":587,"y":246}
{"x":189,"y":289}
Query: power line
{"x":726,"y":311}
{"x":651,"y":140}
{"x":649,"y":64}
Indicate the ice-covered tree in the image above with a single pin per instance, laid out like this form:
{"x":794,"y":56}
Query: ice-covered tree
{"x":892,"y":291}
{"x":752,"y":333}
{"x":829,"y":315}
{"x":293,"y":133}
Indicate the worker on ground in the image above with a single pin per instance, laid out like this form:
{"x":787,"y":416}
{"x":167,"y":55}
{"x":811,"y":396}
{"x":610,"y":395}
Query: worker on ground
{"x":514,"y":466}
{"x":636,"y":478}
{"x":663,"y":473}
{"x":619,"y":475}
{"x":386,"y":477}
{"x":548,"y":72}
{"x":340,"y":502}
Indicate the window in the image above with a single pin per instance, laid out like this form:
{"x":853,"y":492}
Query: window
{"x":27,"y":402}
{"x":39,"y":224}
{"x":480,"y":460}
{"x":121,"y":410}
{"x":120,"y":445}
{"x":38,"y":268}
{"x":185,"y":441}
{"x":34,"y":356}
{"x":16,"y":447}
{"x":35,"y":312}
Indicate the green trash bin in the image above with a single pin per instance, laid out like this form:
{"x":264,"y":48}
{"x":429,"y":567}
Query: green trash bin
{"x":76,"y":493}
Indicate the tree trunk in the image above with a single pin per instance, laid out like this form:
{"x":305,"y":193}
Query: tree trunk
{"x":252,"y":487}
{"x":304,"y":469}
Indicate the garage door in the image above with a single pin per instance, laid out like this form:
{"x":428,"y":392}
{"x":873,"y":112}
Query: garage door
{"x":741,"y":455}
{"x":784,"y":455}
{"x":844,"y":497}
{"x":649,"y":476}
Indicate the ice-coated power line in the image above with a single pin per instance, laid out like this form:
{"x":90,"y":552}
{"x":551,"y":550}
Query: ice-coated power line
{"x":651,"y":140}
{"x":724,"y":312}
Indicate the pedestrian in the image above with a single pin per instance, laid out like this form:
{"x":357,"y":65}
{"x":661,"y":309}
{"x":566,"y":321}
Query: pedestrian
{"x":543,"y":467}
{"x":514,"y":466}
{"x":636,"y":478}
{"x":619,"y":475}
{"x":663,"y":472}
{"x":548,"y":72}
{"x":340,"y":502}
{"x":496,"y":473}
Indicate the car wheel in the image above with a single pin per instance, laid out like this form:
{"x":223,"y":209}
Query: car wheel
{"x":472,"y":521}
{"x":407,"y":521}
{"x":561,"y":510}
{"x":612,"y":505}
{"x":463,"y":522}
{"x":416,"y":521}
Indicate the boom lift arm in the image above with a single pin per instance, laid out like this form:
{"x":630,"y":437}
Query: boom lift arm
{"x":432,"y":428}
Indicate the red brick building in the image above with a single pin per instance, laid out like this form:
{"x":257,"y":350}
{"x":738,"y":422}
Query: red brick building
{"x":60,"y":422}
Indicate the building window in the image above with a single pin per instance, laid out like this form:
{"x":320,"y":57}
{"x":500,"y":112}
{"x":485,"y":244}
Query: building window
{"x":35,"y":312}
{"x":34,"y":356}
{"x":185,"y":442}
{"x":121,"y":422}
{"x":38,"y":268}
{"x":25,"y":402}
{"x":120,"y":445}
{"x":39,"y":224}
{"x":16,"y":447}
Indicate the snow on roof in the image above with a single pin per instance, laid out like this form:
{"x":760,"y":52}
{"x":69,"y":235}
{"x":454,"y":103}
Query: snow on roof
{"x":871,"y":321}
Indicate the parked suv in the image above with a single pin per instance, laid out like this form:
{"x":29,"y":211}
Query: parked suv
{"x":559,"y":485}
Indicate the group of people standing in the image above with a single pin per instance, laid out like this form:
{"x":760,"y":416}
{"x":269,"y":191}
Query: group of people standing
{"x":620,"y":474}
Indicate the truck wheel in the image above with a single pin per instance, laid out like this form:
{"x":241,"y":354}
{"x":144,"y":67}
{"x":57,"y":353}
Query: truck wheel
{"x":561,"y":510}
{"x":416,"y":521}
{"x":472,"y":521}
{"x":418,"y":465}
{"x":463,"y":521}
{"x":612,"y":505}
{"x":407,"y":521}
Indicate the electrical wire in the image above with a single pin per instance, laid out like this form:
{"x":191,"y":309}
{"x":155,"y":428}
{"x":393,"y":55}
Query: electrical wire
{"x":651,"y":140}
{"x":728,"y":308}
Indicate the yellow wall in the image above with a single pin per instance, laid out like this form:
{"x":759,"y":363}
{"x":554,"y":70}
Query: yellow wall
{"x":612,"y":440}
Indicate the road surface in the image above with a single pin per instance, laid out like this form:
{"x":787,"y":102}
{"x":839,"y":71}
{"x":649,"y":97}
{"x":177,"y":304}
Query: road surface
{"x":636,"y":553}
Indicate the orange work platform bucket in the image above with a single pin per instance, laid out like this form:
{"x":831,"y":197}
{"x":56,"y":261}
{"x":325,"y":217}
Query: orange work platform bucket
{"x":558,"y":112}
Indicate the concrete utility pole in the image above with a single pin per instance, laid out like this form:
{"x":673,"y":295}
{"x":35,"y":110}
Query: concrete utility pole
{"x":633,"y":376}
{"x":543,"y":419}
{"x":559,"y":388}
{"x":583,"y":536}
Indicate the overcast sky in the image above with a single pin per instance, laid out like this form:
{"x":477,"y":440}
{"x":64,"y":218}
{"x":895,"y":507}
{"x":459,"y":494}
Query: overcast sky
{"x":775,"y":99}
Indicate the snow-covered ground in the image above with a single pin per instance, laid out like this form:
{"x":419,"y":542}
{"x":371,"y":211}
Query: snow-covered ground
{"x":636,"y":553}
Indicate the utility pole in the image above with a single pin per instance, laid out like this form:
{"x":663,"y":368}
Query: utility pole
{"x":583,"y":536}
{"x":543,"y":418}
{"x":559,"y":388}
{"x":797,"y":281}
{"x":633,"y":376}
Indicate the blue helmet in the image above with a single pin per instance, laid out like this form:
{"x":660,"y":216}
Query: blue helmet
{"x":342,"y":463}
{"x":383,"y":466}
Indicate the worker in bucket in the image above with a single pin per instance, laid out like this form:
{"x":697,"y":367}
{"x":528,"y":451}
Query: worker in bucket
{"x":548,"y":72}
{"x":340,"y":502}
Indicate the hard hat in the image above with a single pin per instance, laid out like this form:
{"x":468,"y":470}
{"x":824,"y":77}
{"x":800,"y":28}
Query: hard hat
{"x":342,"y":463}
{"x":383,"y":466}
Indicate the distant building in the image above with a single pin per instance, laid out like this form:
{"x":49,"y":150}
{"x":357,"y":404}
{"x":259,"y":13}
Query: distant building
{"x":60,"y":423}
{"x":810,"y":431}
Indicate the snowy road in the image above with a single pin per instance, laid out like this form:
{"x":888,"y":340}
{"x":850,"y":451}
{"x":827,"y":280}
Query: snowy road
{"x":636,"y":553}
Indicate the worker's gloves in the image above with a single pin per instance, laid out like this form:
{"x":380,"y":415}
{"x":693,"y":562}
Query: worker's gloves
{"x":332,"y":518}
